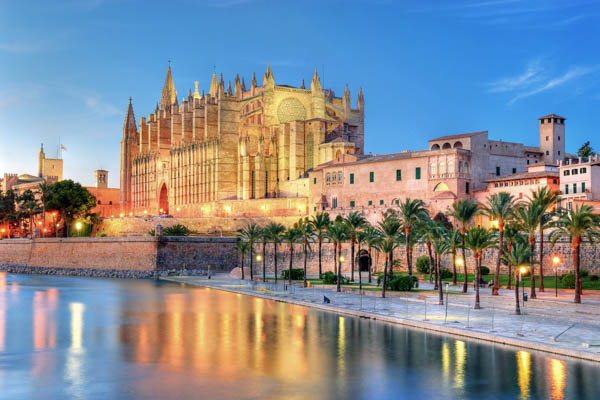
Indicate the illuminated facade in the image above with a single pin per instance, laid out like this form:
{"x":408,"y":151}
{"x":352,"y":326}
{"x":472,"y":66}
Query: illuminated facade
{"x":234,"y":144}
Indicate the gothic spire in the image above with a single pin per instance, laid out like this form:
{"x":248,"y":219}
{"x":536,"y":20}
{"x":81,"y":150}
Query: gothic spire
{"x":214,"y":85}
{"x":129,"y":123}
{"x":302,"y":86}
{"x":229,"y":92}
{"x":315,"y":85}
{"x":196,"y":93}
{"x":360,"y":102}
{"x":169,"y":94}
{"x":253,"y":83}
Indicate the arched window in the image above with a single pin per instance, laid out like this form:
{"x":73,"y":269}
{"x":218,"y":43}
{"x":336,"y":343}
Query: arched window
{"x":442,"y":167}
{"x":451,"y":166}
{"x":466,"y":167}
{"x":333,"y":176}
{"x":441,"y":187}
{"x":328,"y":177}
{"x":447,"y":146}
{"x":433,"y":168}
{"x":460,"y":167}
{"x":458,"y":145}
{"x":340,"y":176}
{"x":435,"y":147}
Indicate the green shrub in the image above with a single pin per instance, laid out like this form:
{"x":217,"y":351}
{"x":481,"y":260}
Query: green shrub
{"x":584,"y":273}
{"x":485,"y":270}
{"x":329,"y":277}
{"x":297,"y":274}
{"x":568,"y":281}
{"x":593,"y":278}
{"x":101,"y":235}
{"x":176,"y":230}
{"x":402,"y":283}
{"x":151,"y":232}
{"x":423,"y":264}
{"x":446,"y":274}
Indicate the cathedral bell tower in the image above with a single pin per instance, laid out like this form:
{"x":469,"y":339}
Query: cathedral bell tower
{"x":129,"y":147}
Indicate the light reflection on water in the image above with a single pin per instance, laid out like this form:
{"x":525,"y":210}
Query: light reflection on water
{"x":78,"y":338}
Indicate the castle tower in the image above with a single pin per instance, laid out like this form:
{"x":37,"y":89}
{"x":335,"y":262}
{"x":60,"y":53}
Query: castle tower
{"x":101,"y":178}
{"x":552,"y":138}
{"x":129,"y":147}
{"x":41,"y":157}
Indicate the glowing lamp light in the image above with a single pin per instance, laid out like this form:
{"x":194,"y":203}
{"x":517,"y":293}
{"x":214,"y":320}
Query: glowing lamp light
{"x":494,"y":223}
{"x":45,"y":230}
{"x":57,"y":225}
{"x":227,"y":208}
{"x":258,"y":257}
{"x":161,"y":210}
{"x":556,"y":260}
{"x":121,"y":215}
{"x":460,"y":261}
{"x":54,"y":214}
{"x":523,"y":270}
{"x":39,"y":222}
{"x":130,"y":214}
{"x":178,"y":209}
{"x":262,"y":207}
{"x":342,"y":258}
{"x":3,"y":230}
{"x":78,"y":225}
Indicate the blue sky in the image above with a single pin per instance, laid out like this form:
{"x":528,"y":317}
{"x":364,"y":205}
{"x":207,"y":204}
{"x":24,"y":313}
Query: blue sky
{"x":427,"y":68}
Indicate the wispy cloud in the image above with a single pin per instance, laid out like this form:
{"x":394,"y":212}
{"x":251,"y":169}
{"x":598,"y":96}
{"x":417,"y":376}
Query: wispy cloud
{"x":572,"y":74}
{"x":532,"y":74}
{"x":96,"y":104}
{"x":17,"y":95}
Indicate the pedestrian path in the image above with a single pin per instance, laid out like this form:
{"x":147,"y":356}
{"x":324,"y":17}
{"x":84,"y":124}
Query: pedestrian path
{"x":542,"y":326}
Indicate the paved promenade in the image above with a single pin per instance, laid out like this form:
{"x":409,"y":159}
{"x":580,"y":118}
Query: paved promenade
{"x":548,"y":324}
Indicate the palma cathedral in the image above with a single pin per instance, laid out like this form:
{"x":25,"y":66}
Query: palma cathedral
{"x":234,"y":145}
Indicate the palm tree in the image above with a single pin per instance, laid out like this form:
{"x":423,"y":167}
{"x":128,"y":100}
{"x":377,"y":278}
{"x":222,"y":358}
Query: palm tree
{"x":242,"y":247}
{"x":291,"y":236}
{"x":527,"y":219}
{"x":546,"y":199}
{"x":463,"y":212}
{"x":411,"y":213}
{"x":305,"y":229}
{"x":251,"y":234}
{"x":274,"y":231}
{"x":430,"y":230}
{"x":477,"y":240}
{"x":499,"y":208}
{"x":338,"y":234}
{"x":320,"y":223}
{"x":361,"y":238}
{"x":511,"y":237}
{"x":389,"y":229}
{"x":518,"y":255}
{"x":264,"y":238}
{"x":576,"y":224}
{"x":372,"y":238}
{"x":440,"y":247}
{"x":355,"y":223}
{"x":454,"y":243}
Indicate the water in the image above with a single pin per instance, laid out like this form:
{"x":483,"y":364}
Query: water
{"x":63,"y":337}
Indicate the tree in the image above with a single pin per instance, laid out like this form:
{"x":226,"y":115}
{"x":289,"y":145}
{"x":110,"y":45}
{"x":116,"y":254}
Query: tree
{"x":463,"y":212}
{"x":291,"y":236}
{"x":28,"y":206}
{"x":454,"y":243}
{"x":320,"y":223}
{"x":70,"y":200}
{"x":372,"y":238}
{"x":477,"y":240}
{"x":575,"y":224}
{"x":305,"y":229}
{"x":499,"y":208}
{"x":411,"y":213}
{"x":512,"y":236}
{"x":440,"y":247}
{"x":251,"y":234}
{"x":264,"y":238}
{"x":337,"y":232}
{"x":274,"y":231}
{"x":429,"y":231}
{"x":517,"y":256}
{"x":7,"y":208}
{"x":355,"y":223}
{"x":527,"y":219}
{"x":242,"y":247}
{"x":547,"y":200}
{"x":389,"y":230}
{"x":586,"y":150}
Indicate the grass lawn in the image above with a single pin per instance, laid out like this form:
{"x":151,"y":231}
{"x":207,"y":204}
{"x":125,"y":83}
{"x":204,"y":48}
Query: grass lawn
{"x":586,"y":283}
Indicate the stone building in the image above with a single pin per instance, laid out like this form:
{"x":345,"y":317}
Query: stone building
{"x":50,"y":170}
{"x":107,"y":199}
{"x":234,"y":144}
{"x":580,"y":181}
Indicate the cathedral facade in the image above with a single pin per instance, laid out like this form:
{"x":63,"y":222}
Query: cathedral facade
{"x":190,"y":157}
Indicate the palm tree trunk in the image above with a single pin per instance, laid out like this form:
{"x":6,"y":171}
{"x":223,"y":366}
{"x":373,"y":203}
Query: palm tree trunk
{"x":431,"y":262}
{"x":541,"y":259}
{"x":477,"y":281}
{"x":454,"y":268}
{"x":464,"y":255}
{"x":370,"y":262}
{"x":408,"y":261}
{"x":359,"y":274}
{"x":531,"y":248}
{"x":392,"y":262}
{"x":352,"y":265}
{"x":517,"y":307}
{"x":275,"y":261}
{"x":500,"y":250}
{"x":385,"y":269}
{"x":264,"y":261}
{"x":251,"y":262}
{"x":575,"y":249}
{"x":320,"y":245}
{"x":508,"y":247}
{"x":439,"y":279}
{"x":435,"y":265}
{"x":242,"y":266}
{"x":339,"y":275}
{"x":291,"y":258}
{"x":305,"y":254}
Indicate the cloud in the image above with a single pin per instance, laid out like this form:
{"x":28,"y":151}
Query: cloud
{"x":531,"y":75}
{"x":572,"y":74}
{"x":19,"y":47}
{"x":95,"y":104}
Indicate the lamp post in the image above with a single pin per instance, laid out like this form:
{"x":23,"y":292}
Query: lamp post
{"x":78,"y":227}
{"x":522,"y":270}
{"x":556,"y":261}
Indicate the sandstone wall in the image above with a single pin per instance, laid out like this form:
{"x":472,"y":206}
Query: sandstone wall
{"x":136,"y":254}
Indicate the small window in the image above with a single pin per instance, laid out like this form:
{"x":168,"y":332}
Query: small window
{"x":467,"y":187}
{"x":397,"y":202}
{"x":352,"y":204}
{"x":582,"y":170}
{"x":514,"y":170}
{"x":314,"y":181}
{"x":559,"y":138}
{"x":547,"y":153}
{"x":546,"y":138}
{"x":371,"y":176}
{"x":340,"y":176}
{"x":549,"y":120}
{"x":566,"y":189}
{"x":559,"y":152}
{"x":380,"y":202}
{"x":110,"y":202}
{"x":460,"y":167}
{"x":352,"y":179}
{"x":398,"y":175}
{"x":555,"y":181}
{"x":567,"y":172}
{"x":582,"y":187}
{"x":527,"y":161}
{"x":574,"y":188}
{"x":520,"y":195}
{"x":418,"y":173}
{"x":497,"y":171}
{"x":99,"y":201}
{"x":370,"y":202}
{"x":574,"y":171}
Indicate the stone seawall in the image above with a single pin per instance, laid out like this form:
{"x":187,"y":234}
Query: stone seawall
{"x":126,"y":257}
{"x":590,"y":258}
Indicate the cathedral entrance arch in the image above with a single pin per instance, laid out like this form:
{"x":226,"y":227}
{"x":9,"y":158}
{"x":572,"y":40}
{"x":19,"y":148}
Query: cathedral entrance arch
{"x":163,"y":200}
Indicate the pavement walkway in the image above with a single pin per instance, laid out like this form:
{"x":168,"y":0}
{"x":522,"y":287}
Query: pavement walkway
{"x":547,"y":324}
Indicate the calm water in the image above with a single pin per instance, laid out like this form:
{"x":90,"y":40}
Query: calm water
{"x":112,"y":339}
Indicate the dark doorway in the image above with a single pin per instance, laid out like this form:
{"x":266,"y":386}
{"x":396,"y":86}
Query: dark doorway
{"x":364,"y":261}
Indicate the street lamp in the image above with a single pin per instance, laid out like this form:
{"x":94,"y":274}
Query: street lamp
{"x":78,"y":227}
{"x":522,"y":270}
{"x":556,"y":261}
{"x":258,"y":257}
{"x":342,"y":258}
